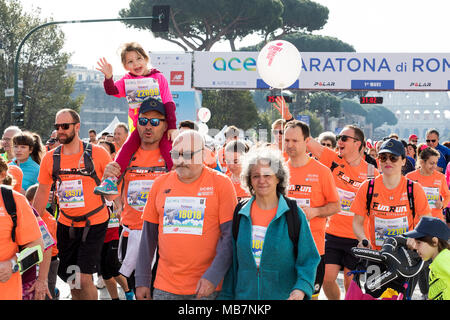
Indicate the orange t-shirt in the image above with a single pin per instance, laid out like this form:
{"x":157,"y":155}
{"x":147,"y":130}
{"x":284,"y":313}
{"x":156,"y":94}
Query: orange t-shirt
{"x":240,"y":192}
{"x":312,"y":185}
{"x":50,"y":221}
{"x":138,"y":183}
{"x":390,"y":214}
{"x":27,"y":230}
{"x":260,"y":221}
{"x":348,"y":180}
{"x":189,"y":218}
{"x":17,"y":174}
{"x":435,"y":186}
{"x":76,"y":192}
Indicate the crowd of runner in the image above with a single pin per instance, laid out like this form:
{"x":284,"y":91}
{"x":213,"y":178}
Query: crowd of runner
{"x":166,"y":213}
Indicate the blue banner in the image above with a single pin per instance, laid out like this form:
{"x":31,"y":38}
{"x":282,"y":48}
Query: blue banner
{"x":372,"y":84}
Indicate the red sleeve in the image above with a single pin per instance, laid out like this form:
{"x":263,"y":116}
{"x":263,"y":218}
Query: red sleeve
{"x":110,"y":87}
{"x":170,"y":115}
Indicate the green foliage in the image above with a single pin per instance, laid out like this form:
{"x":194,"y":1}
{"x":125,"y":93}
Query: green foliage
{"x":198,"y":25}
{"x":352,"y":107}
{"x":46,"y":89}
{"x":377,"y":115}
{"x":230,"y":107}
{"x":323,"y":101}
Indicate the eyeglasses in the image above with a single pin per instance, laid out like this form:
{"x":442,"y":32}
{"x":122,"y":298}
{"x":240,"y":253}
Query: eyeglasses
{"x":64,"y":126}
{"x":326,"y":144}
{"x":275,"y":132}
{"x":393,"y":158}
{"x":153,"y":121}
{"x":344,"y":138}
{"x":51,"y":141}
{"x":187,"y":155}
{"x":432,"y":140}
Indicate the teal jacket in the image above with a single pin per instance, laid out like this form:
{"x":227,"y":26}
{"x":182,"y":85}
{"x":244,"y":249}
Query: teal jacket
{"x":279,"y":273}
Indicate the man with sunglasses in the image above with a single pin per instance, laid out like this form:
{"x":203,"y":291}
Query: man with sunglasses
{"x":188,"y":218}
{"x":145,"y":166}
{"x":432,"y":140}
{"x":349,"y":170}
{"x":83,"y":216}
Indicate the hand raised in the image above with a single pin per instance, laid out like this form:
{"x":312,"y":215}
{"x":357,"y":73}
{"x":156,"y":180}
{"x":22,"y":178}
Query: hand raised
{"x":105,"y":68}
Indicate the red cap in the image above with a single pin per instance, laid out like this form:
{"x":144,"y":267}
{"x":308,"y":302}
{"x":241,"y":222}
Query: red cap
{"x":413,"y":136}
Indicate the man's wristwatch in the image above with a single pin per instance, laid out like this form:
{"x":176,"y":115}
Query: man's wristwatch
{"x":15,"y":265}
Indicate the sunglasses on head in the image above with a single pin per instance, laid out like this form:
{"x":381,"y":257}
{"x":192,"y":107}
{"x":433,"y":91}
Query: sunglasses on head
{"x":432,"y":140}
{"x":63,"y":126}
{"x":153,"y":121}
{"x":186,"y":155}
{"x":392,"y":157}
{"x":344,"y":138}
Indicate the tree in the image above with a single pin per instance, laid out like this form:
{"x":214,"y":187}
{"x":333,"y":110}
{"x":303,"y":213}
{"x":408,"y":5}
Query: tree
{"x":46,"y":89}
{"x":198,"y":25}
{"x":377,"y":115}
{"x":230,"y":107}
{"x":325,"y":104}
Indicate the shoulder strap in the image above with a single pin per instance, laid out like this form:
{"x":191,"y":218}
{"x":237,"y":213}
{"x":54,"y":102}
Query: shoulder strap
{"x":333,"y":166}
{"x":369,"y":195}
{"x":56,"y":163}
{"x":10,"y":206}
{"x":89,"y":162}
{"x":293,"y":222}
{"x":237,"y":218}
{"x":410,"y":191}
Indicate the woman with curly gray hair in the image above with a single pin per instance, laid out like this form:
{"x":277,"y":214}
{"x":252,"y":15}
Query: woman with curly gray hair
{"x":265,"y":265}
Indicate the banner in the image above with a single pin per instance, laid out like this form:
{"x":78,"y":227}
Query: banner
{"x":329,"y":71}
{"x":176,"y":67}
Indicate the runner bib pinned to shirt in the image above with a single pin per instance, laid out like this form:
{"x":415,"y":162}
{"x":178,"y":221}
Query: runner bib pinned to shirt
{"x":71,"y":194}
{"x":184,"y":215}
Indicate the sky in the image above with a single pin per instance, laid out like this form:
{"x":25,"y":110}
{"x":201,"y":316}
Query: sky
{"x":368,"y":25}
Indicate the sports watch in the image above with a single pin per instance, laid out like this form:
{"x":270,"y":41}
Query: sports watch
{"x":15,"y":265}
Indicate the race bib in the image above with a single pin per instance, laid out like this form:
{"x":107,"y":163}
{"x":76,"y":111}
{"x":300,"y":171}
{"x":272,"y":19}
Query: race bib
{"x":137,"y":193}
{"x":346,"y":198}
{"x":137,"y":90}
{"x":70,"y":194}
{"x":385,"y":228}
{"x":258,"y":235}
{"x":432,"y":196}
{"x":184,"y":215}
{"x":303,"y":202}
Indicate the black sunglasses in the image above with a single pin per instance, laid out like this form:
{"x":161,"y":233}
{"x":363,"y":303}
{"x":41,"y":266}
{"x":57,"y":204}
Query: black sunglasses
{"x":428,"y":141}
{"x":383,"y":157}
{"x":153,"y":121}
{"x":63,"y":126}
{"x":275,"y":132}
{"x":329,"y":145}
{"x":344,"y":138}
{"x":187,"y":155}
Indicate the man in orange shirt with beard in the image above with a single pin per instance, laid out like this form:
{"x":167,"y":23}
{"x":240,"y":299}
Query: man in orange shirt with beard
{"x":83,"y":217}
{"x":313,"y":187}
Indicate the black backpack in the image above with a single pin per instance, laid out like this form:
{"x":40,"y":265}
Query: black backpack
{"x":409,"y":189}
{"x":10,"y":205}
{"x":293,"y":221}
{"x":88,"y":170}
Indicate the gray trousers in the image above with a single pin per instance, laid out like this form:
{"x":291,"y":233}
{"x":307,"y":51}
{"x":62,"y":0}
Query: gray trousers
{"x":163,"y":295}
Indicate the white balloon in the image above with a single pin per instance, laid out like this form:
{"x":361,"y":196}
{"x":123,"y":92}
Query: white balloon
{"x":279,"y":64}
{"x":204,"y":114}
